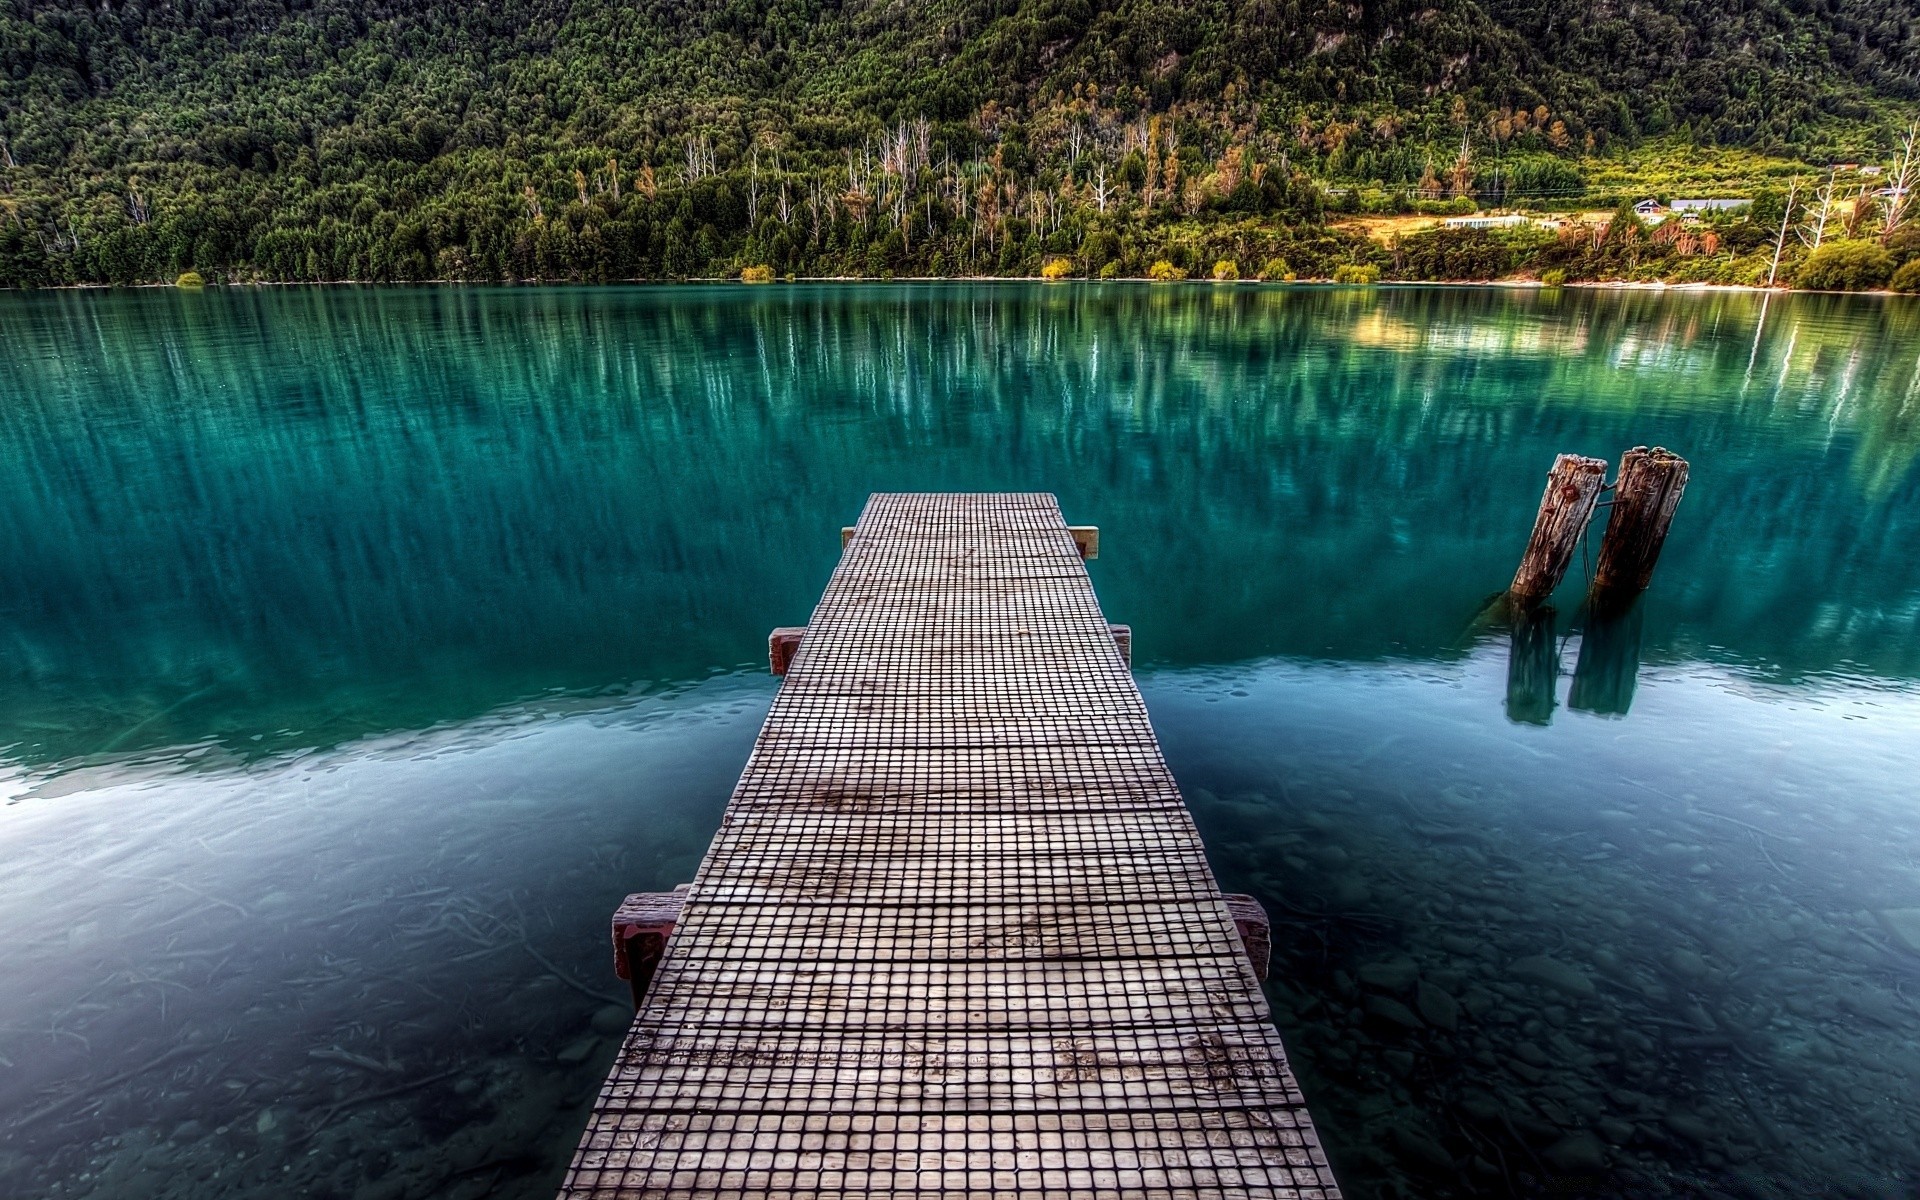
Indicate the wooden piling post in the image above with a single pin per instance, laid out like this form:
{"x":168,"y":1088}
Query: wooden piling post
{"x":641,"y":926}
{"x":1573,"y":488}
{"x":782,"y":644}
{"x":1086,"y":538}
{"x":1644,"y":499}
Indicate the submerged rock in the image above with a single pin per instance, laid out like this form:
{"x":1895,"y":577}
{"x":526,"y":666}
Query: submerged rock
{"x":578,"y":1050}
{"x":1350,"y":891}
{"x":1551,"y":972}
{"x":1437,"y":1007}
{"x":612,"y":1020}
{"x":1904,"y":926}
{"x":1419,"y":1147}
{"x":1687,"y":964}
{"x":1394,"y":1012}
{"x":1689,"y":1127}
{"x":1396,"y":975}
{"x":1577,"y":1154}
{"x":1616,"y":1131}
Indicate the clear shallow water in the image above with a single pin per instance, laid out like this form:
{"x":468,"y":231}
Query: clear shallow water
{"x":360,"y":648}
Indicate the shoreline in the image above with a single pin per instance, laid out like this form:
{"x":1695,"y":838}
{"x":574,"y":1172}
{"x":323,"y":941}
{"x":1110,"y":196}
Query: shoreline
{"x":1616,"y":285}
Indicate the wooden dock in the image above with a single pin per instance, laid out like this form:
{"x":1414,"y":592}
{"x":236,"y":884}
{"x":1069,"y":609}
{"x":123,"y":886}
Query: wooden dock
{"x":957,"y":935}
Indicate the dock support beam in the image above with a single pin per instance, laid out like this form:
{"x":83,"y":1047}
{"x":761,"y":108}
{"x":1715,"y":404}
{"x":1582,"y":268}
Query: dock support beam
{"x":641,"y":926}
{"x":1644,"y":500}
{"x":1573,"y":489}
{"x":1256,"y":932}
{"x":782,"y":644}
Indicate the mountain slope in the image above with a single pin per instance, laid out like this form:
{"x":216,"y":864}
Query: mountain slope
{"x":248,"y":112}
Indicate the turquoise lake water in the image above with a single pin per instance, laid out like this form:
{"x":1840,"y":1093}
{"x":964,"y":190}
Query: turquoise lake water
{"x":360,"y":648}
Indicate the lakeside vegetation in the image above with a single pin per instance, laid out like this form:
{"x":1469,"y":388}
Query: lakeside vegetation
{"x":538,"y":140}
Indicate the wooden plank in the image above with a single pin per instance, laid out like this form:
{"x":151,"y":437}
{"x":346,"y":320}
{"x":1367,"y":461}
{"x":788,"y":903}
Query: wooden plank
{"x":956,"y":935}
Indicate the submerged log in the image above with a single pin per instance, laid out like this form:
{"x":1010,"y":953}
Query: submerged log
{"x":1644,"y":499}
{"x":1573,"y":489}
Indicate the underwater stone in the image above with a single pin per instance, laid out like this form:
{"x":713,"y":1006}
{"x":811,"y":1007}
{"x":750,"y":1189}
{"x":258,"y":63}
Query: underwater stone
{"x":1396,"y":975}
{"x":1420,"y":1147}
{"x":1394,"y":1011}
{"x":1437,"y":1007}
{"x":1538,"y":968}
{"x":1904,"y":926}
{"x":578,"y":1050}
{"x":1616,"y":1131}
{"x":1873,"y":1006}
{"x":1690,"y":1127}
{"x":612,"y":1020}
{"x":1577,"y":1154}
{"x":1351,"y":891}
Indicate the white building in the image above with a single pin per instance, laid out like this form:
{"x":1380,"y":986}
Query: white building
{"x":1483,"y":222}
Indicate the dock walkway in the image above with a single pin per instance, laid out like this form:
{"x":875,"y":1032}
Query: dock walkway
{"x":957,"y":935}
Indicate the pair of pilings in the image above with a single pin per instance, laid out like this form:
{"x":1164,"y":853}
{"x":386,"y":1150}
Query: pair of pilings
{"x":1645,"y":495}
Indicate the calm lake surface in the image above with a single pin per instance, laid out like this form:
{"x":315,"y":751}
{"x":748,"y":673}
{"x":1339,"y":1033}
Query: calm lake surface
{"x":360,"y":649}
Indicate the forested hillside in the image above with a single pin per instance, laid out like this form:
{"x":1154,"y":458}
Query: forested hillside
{"x":645,"y":138}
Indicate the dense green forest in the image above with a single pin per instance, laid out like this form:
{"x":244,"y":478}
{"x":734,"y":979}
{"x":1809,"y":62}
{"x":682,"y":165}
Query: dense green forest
{"x":619,"y":139}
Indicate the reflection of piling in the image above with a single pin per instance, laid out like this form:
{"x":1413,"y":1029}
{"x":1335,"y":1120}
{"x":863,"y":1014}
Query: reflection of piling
{"x":1573,"y":488}
{"x":1644,"y":499}
{"x":1533,"y":667}
{"x":1609,"y":664}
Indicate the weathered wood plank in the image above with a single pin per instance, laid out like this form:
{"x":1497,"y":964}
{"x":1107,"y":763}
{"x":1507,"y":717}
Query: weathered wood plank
{"x":956,"y":935}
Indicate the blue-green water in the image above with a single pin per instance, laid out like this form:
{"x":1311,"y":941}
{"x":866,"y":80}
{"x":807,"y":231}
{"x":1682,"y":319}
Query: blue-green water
{"x":360,"y":648}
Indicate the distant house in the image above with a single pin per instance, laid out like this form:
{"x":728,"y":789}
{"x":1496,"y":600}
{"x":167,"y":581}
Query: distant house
{"x":1692,"y":210}
{"x":1650,"y":209}
{"x":1890,"y":193}
{"x":1506,"y":222}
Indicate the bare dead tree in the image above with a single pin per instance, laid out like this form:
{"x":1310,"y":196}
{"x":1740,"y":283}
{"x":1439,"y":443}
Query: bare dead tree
{"x":699,"y":158}
{"x":1814,"y":231}
{"x":753,"y":191}
{"x":1905,"y":178}
{"x":1786,"y":220}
